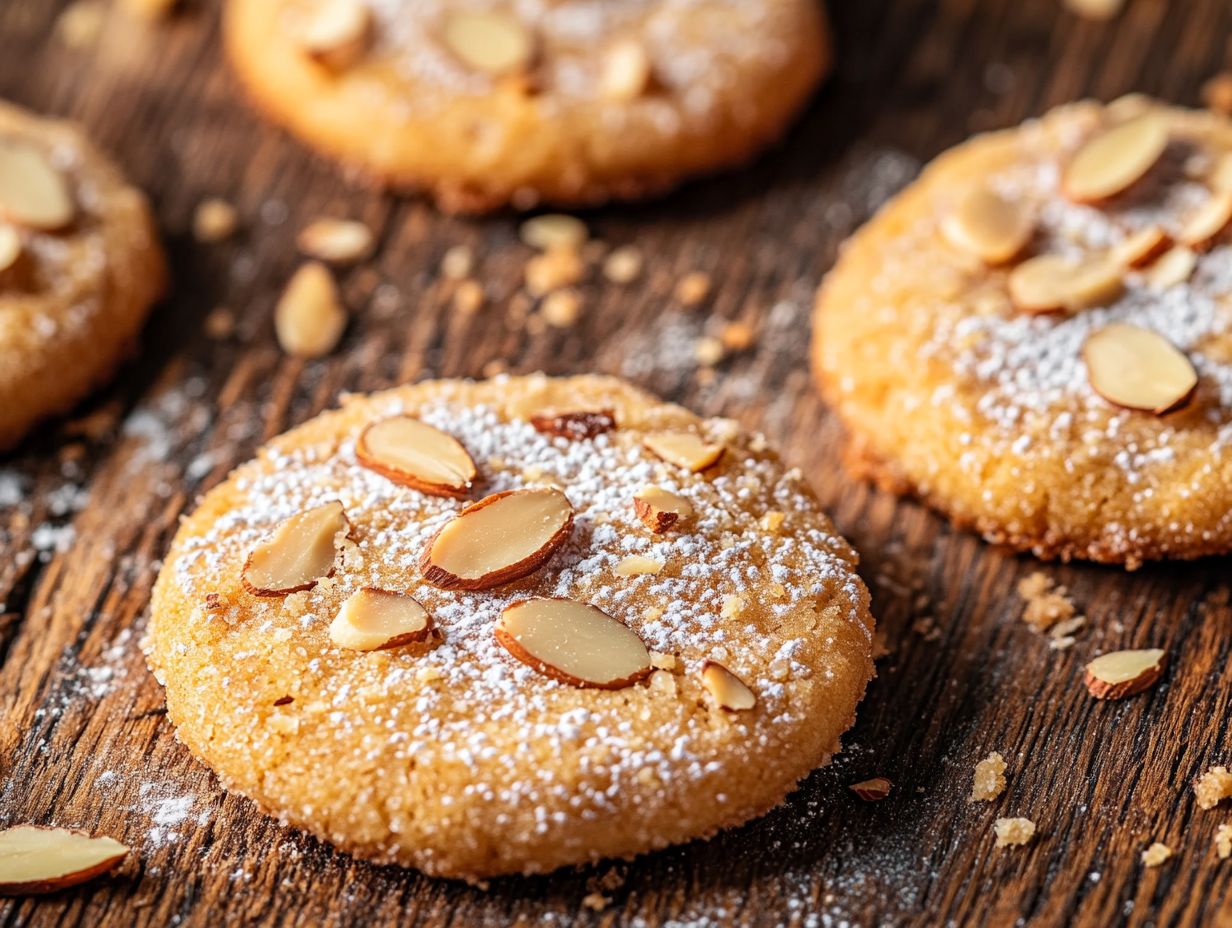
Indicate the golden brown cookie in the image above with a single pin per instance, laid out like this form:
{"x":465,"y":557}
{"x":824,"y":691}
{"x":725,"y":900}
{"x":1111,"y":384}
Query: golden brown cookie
{"x":484,"y":104}
{"x":80,"y":266}
{"x":633,"y":628}
{"x":1035,"y":336}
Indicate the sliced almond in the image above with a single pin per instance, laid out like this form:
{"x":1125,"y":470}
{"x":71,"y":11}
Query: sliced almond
{"x":299,"y":552}
{"x":339,"y":241}
{"x":1048,"y":283}
{"x":1119,"y":674}
{"x":489,"y":40}
{"x":1173,"y":268}
{"x":661,"y":509}
{"x":625,"y":71}
{"x":372,"y":620}
{"x":989,"y":226}
{"x":1116,"y":158}
{"x":498,"y":539}
{"x":728,"y":690}
{"x":338,"y":33}
{"x":32,"y":192}
{"x":417,"y":455}
{"x":1139,"y":369}
{"x":684,"y":449}
{"x":872,"y":790}
{"x":10,"y":246}
{"x":576,"y":425}
{"x":1208,"y":221}
{"x":634,"y":565}
{"x":309,"y":317}
{"x":34,"y":859}
{"x":553,"y":230}
{"x":1142,"y":247}
{"x":573,"y":642}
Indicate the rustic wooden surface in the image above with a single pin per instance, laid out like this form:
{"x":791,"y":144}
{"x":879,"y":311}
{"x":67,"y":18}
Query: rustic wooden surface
{"x":89,"y":504}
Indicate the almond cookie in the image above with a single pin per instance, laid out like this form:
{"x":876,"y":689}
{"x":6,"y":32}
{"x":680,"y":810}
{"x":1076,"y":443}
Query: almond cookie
{"x":506,"y":626}
{"x":1035,"y":337}
{"x":484,"y":104}
{"x":80,"y":266}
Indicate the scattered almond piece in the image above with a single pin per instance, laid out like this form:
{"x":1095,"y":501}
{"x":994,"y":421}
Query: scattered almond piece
{"x":684,"y":449}
{"x":1142,"y":247}
{"x":338,"y":33}
{"x":32,"y":192}
{"x":417,"y":455}
{"x":1214,"y":786}
{"x":1138,"y":368}
{"x":338,"y":241}
{"x":736,"y":336}
{"x":988,"y":226}
{"x":214,"y":220}
{"x":660,"y":661}
{"x":727,"y":689}
{"x":1012,"y":832}
{"x":553,"y":230}
{"x":497,"y":540}
{"x":988,"y":782}
{"x":636,"y":564}
{"x":573,"y":642}
{"x":1217,"y":93}
{"x":1098,"y":10}
{"x":708,"y":351}
{"x":576,"y":425}
{"x":488,"y":40}
{"x":561,"y":309}
{"x":1223,"y":841}
{"x":625,"y":72}
{"x":1173,"y":268}
{"x":35,"y":859}
{"x":373,"y":619}
{"x":457,"y":262}
{"x":872,"y":790}
{"x":661,"y":509}
{"x":298,"y":553}
{"x":693,"y":288}
{"x":309,"y":317}
{"x":1047,"y":602}
{"x":1114,"y":160}
{"x":1208,"y":221}
{"x":552,"y":270}
{"x":1119,"y":674}
{"x":623,"y":265}
{"x":1049,"y":283}
{"x":1156,"y":854}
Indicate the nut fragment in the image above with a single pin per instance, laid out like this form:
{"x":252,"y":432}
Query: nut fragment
{"x":1116,"y":158}
{"x":339,"y":241}
{"x":309,"y":317}
{"x":684,"y":449}
{"x":32,"y":192}
{"x":1156,"y":854}
{"x":623,"y":265}
{"x":1212,"y":787}
{"x":552,"y":270}
{"x":553,"y":230}
{"x":989,"y":226}
{"x":1013,"y":831}
{"x":214,"y":220}
{"x":1223,"y":841}
{"x":573,"y":642}
{"x":10,"y":246}
{"x":1048,"y":283}
{"x":373,"y":619}
{"x":576,"y":425}
{"x":1139,"y":369}
{"x":34,"y":859}
{"x":338,"y":33}
{"x":634,"y":565}
{"x":1142,"y":247}
{"x":417,"y":455}
{"x":498,"y":539}
{"x":660,"y":509}
{"x":872,"y":790}
{"x":988,"y":782}
{"x":1172,"y":269}
{"x":1119,"y":674}
{"x":693,"y":288}
{"x":299,"y":552}
{"x":625,"y":72}
{"x":728,"y":690}
{"x":489,"y":40}
{"x":1208,"y":221}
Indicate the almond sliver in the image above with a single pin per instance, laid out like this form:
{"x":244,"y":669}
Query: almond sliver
{"x":34,"y":859}
{"x":373,"y":619}
{"x":989,"y":226}
{"x":1208,"y":221}
{"x":417,"y":455}
{"x":1119,"y":674}
{"x":728,"y":690}
{"x":1138,"y":369}
{"x":300,"y":551}
{"x":1048,"y":283}
{"x":660,"y":509}
{"x":684,"y":449}
{"x":338,"y":33}
{"x":488,"y":40}
{"x":32,"y":192}
{"x":1141,"y":247}
{"x":1116,"y":158}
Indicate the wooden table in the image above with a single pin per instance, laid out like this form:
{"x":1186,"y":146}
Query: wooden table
{"x":88,"y":506}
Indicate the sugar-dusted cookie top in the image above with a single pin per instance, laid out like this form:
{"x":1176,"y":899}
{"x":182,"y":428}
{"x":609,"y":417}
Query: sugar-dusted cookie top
{"x":624,"y":627}
{"x":1035,"y":334}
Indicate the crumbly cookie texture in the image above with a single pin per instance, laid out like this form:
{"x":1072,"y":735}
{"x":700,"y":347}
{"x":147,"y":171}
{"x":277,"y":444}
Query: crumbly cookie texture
{"x":570,"y":102}
{"x":481,"y":738}
{"x":80,"y":266}
{"x":1067,"y":391}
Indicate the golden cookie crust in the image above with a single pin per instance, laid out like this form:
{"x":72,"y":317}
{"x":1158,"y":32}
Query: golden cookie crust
{"x":83,"y":292}
{"x":988,"y":414}
{"x":457,"y":759}
{"x":729,"y":77}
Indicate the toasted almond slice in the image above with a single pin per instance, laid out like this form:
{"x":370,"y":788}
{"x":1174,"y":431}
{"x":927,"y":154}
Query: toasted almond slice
{"x":489,"y":40}
{"x":576,"y":425}
{"x":1173,"y":268}
{"x":338,"y":33}
{"x":339,"y":241}
{"x":1208,"y":221}
{"x":989,"y":226}
{"x":660,"y":509}
{"x":573,"y":642}
{"x":1119,"y":674}
{"x":417,"y":455}
{"x":34,"y":859}
{"x":635,"y":565}
{"x":32,"y":192}
{"x":299,"y":552}
{"x":1115,"y":159}
{"x":684,"y":449}
{"x":1048,"y":283}
{"x":1139,"y":369}
{"x":498,"y":539}
{"x":10,"y":246}
{"x":625,"y":72}
{"x":872,"y":790}
{"x":372,"y":620}
{"x":728,"y":690}
{"x":1141,"y":247}
{"x":309,"y":317}
{"x":553,"y":230}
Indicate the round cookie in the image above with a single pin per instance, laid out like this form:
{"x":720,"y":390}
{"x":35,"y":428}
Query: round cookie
{"x":1035,"y":336}
{"x":80,"y":266}
{"x":472,"y":748}
{"x":572,"y":102}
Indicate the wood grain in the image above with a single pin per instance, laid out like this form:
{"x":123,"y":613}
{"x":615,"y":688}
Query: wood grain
{"x":83,"y":741}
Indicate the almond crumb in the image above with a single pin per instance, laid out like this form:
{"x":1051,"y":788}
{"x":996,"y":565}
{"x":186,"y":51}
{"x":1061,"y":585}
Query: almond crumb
{"x":457,"y":262}
{"x":1156,"y":854}
{"x":1012,"y":832}
{"x":214,"y":220}
{"x":1223,"y":841}
{"x":693,"y":288}
{"x":623,"y":265}
{"x":732,"y":606}
{"x":989,"y":780}
{"x":552,"y":270}
{"x":636,"y":564}
{"x":708,"y":351}
{"x":772,"y":521}
{"x":736,"y":336}
{"x":1047,"y":602}
{"x":469,"y":297}
{"x":596,"y":902}
{"x":561,"y":309}
{"x":1214,"y":786}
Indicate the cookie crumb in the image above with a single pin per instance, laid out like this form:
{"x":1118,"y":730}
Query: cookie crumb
{"x":1223,"y":841}
{"x":1214,"y":786}
{"x":708,"y":351}
{"x":737,"y":336}
{"x":469,"y":297}
{"x":596,"y":902}
{"x":1048,"y":603}
{"x":220,"y":323}
{"x":693,"y":288}
{"x":214,"y":220}
{"x":1012,"y":832}
{"x":457,"y":262}
{"x":623,"y":265}
{"x":552,"y":270}
{"x":561,"y":309}
{"x":988,"y":782}
{"x":1156,"y":854}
